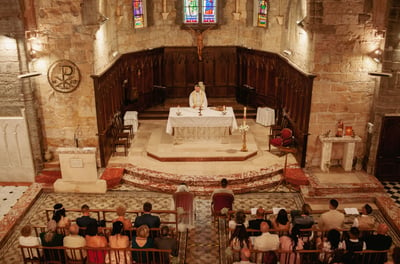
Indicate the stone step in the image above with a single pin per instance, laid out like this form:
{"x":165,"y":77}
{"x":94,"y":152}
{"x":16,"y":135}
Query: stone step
{"x":168,"y":187}
{"x":200,"y":181}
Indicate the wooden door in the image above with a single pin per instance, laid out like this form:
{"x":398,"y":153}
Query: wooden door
{"x":388,"y":157}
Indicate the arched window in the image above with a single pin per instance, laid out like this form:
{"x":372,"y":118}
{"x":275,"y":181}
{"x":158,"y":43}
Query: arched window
{"x":139,"y":12}
{"x":200,"y":12}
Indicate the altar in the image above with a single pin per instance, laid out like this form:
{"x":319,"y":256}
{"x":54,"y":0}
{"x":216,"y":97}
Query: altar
{"x":186,"y":124}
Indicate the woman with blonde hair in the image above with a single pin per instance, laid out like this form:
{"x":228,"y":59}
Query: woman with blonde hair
{"x":121,"y":211}
{"x":142,"y":241}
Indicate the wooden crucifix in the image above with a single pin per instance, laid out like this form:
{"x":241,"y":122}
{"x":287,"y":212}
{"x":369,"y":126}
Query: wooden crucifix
{"x":198,"y":34}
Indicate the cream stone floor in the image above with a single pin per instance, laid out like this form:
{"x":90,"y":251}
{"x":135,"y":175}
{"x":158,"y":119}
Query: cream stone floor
{"x":258,"y":139}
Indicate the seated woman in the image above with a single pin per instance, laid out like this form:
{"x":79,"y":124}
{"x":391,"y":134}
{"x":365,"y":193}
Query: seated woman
{"x":50,"y":238}
{"x":26,"y":239}
{"x":59,"y":216}
{"x":281,"y":221}
{"x":121,"y":211}
{"x":142,"y":241}
{"x":93,"y":240}
{"x":291,"y":243}
{"x":240,"y":238}
{"x":119,"y":240}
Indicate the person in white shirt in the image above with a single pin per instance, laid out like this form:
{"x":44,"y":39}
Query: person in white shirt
{"x":198,"y":98}
{"x":265,"y":242}
{"x":27,"y":240}
{"x":74,"y":240}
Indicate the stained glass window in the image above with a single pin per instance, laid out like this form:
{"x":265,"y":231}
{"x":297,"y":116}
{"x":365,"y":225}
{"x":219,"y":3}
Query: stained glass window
{"x":262,"y":17}
{"x":138,"y":13}
{"x":200,"y":11}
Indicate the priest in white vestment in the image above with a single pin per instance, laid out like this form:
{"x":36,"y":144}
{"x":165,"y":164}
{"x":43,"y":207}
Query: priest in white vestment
{"x":198,"y":98}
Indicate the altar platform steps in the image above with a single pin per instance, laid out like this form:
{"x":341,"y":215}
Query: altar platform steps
{"x":199,"y":187}
{"x":245,"y":182}
{"x":344,"y":186}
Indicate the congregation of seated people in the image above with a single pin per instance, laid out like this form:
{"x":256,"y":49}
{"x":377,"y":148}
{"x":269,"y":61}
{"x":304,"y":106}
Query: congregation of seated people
{"x":279,"y":238}
{"x":88,"y":233}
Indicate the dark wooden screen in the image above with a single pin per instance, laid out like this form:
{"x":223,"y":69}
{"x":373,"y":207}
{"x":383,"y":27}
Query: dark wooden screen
{"x":217,"y":70}
{"x":267,"y":79}
{"x":388,"y":156}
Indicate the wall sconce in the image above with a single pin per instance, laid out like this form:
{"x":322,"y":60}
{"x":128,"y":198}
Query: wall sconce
{"x":28,"y":75}
{"x":376,"y":55}
{"x":102,"y":19}
{"x":287,"y":52}
{"x":300,"y":23}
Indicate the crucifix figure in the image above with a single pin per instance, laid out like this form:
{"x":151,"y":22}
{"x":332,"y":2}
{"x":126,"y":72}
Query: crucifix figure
{"x":198,"y":33}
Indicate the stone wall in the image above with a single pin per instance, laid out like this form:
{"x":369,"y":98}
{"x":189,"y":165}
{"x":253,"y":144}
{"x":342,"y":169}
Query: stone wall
{"x":343,"y":90}
{"x":17,"y":95}
{"x":63,"y":36}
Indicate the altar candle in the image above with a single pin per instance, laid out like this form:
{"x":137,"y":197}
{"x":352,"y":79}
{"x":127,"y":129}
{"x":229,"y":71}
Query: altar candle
{"x":237,"y":6}
{"x":224,"y":108}
{"x":244,"y":116}
{"x":164,"y":6}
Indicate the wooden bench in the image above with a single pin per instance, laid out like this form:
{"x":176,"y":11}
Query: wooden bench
{"x":61,"y":255}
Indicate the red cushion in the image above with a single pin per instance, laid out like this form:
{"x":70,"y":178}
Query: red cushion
{"x":276,"y":141}
{"x":286,"y":133}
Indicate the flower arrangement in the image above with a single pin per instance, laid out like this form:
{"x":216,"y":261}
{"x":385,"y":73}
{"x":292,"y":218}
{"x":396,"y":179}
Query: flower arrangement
{"x":224,"y":211}
{"x":244,"y":128}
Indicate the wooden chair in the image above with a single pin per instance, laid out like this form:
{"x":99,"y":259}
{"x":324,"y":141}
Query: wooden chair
{"x":220,"y":201}
{"x":124,"y":127}
{"x":75,"y":255}
{"x":119,"y":141}
{"x":284,"y":138}
{"x":185,"y":201}
{"x":119,"y":126}
{"x":31,"y":254}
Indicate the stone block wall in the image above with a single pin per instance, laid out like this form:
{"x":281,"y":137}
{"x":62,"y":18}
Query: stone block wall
{"x":343,"y":90}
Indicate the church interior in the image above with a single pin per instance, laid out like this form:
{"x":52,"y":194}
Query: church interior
{"x":95,"y":110}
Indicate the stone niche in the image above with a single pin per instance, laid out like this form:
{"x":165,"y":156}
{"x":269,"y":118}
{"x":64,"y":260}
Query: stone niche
{"x":79,"y":171}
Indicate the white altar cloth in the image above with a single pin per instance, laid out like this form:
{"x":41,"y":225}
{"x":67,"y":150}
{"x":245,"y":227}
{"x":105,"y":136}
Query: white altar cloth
{"x":131,"y":118}
{"x":190,"y":118}
{"x":265,"y":116}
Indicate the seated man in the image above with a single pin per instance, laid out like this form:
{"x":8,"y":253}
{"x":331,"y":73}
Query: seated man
{"x":85,"y":219}
{"x":74,"y":240}
{"x":255,"y":223}
{"x":333,"y":219}
{"x":165,"y":241}
{"x":152,"y":221}
{"x":266,"y":242}
{"x":380,"y":241}
{"x":198,"y":98}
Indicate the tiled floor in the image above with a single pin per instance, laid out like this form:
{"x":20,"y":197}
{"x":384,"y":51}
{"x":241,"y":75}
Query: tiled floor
{"x":9,"y":195}
{"x":393,"y":189}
